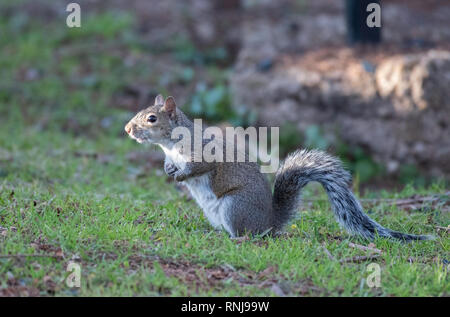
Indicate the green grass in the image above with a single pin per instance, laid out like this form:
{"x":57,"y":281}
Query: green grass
{"x":69,"y":188}
{"x":110,"y":213}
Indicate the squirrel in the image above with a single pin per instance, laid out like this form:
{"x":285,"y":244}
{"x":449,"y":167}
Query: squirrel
{"x":236,"y":196}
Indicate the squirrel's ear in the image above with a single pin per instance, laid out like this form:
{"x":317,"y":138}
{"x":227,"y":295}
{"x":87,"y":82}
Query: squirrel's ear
{"x":159,"y":100}
{"x":170,"y":107}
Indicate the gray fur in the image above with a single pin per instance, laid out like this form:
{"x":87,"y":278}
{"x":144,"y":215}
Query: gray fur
{"x":303,"y":166}
{"x":236,"y":196}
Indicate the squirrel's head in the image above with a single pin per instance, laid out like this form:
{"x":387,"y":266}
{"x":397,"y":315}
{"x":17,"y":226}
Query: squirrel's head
{"x":154,"y":124}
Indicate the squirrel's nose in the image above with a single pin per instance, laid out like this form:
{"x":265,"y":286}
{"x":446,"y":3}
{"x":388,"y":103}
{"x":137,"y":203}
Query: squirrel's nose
{"x":128,"y":128}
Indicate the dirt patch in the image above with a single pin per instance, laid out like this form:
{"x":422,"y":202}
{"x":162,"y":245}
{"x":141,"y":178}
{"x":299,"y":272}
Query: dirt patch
{"x":19,"y":291}
{"x":391,"y":100}
{"x":199,"y":277}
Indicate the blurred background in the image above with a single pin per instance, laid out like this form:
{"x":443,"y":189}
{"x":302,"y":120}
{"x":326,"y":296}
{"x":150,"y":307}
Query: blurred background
{"x":381,"y":100}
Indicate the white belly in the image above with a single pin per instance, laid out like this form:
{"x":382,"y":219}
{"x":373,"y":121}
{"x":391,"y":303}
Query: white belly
{"x":201,"y":190}
{"x":215,"y":209}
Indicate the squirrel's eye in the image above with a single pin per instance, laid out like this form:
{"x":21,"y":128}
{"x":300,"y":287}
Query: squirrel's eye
{"x":151,"y":118}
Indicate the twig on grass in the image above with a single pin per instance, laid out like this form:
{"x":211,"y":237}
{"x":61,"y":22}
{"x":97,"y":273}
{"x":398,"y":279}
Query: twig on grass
{"x":330,"y":256}
{"x":446,"y":229}
{"x":357,"y":259}
{"x":364,"y":248}
{"x":5,"y":256}
{"x":393,"y":201}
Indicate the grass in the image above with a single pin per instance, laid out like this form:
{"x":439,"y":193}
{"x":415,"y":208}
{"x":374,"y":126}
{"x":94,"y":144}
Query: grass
{"x":74,"y":188}
{"x":124,"y":222}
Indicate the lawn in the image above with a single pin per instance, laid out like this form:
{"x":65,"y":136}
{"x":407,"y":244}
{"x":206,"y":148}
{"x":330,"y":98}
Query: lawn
{"x":75,"y":189}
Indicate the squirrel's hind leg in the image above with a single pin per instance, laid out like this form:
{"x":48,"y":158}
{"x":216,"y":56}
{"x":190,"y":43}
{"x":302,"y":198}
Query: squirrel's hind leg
{"x":241,"y":216}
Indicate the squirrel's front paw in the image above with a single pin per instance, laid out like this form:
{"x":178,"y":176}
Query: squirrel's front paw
{"x":170,"y":169}
{"x":179,"y":176}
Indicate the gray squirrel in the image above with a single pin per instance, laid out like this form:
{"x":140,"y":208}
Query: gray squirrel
{"x":237,"y":197}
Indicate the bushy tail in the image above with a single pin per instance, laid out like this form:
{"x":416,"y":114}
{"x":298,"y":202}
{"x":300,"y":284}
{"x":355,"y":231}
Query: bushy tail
{"x":303,"y":166}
